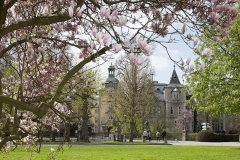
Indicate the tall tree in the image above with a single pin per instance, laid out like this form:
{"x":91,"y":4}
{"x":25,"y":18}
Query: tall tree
{"x":134,"y":98}
{"x":43,"y":32}
{"x":215,"y":90}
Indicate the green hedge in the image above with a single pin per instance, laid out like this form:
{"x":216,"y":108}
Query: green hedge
{"x":208,"y":136}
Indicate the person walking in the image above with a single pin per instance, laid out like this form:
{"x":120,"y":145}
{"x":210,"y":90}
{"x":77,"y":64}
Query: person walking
{"x":164,"y":134}
{"x":145,"y":134}
{"x":149,"y":136}
{"x":158,"y":136}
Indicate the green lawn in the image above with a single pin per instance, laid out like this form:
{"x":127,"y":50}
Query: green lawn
{"x":129,"y":152}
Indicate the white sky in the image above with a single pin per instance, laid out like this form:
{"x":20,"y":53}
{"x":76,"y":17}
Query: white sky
{"x":161,"y":63}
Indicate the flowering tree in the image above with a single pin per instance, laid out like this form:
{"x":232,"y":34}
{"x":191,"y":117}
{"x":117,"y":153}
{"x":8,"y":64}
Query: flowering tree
{"x":184,"y":120}
{"x":215,"y":90}
{"x":37,"y":38}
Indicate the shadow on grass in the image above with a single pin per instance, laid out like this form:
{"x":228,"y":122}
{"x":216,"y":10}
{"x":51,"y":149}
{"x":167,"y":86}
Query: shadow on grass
{"x":105,"y":143}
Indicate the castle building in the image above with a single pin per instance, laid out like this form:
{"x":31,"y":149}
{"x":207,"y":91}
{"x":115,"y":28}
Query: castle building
{"x":171,"y":100}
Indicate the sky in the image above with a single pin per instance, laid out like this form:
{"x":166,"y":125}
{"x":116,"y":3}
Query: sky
{"x":161,"y":63}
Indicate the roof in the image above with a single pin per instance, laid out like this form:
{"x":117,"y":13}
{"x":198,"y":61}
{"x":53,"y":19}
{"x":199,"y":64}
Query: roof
{"x":174,"y":78}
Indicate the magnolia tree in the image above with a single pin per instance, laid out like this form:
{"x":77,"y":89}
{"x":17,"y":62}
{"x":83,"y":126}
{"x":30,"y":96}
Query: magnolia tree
{"x":184,"y":120}
{"x":37,"y":38}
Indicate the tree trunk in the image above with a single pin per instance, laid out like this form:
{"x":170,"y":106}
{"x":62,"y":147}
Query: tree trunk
{"x":84,"y":134}
{"x":131,"y":131}
{"x":67,"y":132}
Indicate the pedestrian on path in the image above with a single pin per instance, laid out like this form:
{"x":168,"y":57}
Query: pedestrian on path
{"x":149,"y":136}
{"x":158,"y":136}
{"x":145,"y":134}
{"x":164,"y":134}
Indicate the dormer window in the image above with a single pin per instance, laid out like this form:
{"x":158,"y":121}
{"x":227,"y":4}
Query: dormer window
{"x":158,"y":89}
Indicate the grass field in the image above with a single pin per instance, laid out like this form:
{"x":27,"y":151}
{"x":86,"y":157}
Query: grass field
{"x":128,"y":152}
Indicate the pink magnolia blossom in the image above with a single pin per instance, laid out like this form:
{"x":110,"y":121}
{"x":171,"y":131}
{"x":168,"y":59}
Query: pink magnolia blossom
{"x":132,"y":47}
{"x":148,"y":51}
{"x":188,"y":61}
{"x":184,"y":27}
{"x":79,"y":11}
{"x":126,"y":42}
{"x":122,"y":21}
{"x":104,"y":12}
{"x":117,"y":47}
{"x":113,"y":16}
{"x":191,"y":68}
{"x":215,"y":16}
{"x":70,"y":11}
{"x":132,"y":57}
{"x":195,"y":41}
{"x":138,"y":60}
{"x":141,"y":43}
{"x":94,"y":32}
{"x":201,"y":68}
{"x":207,"y":52}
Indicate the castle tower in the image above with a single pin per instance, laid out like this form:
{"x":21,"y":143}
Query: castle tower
{"x":175,"y":98}
{"x":106,"y":101}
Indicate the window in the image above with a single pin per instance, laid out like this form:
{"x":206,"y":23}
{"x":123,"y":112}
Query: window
{"x":110,"y":93}
{"x":171,"y":110}
{"x":179,"y":110}
{"x":175,"y":123}
{"x":96,"y":111}
{"x":96,"y":120}
{"x":221,"y":127}
{"x":96,"y":129}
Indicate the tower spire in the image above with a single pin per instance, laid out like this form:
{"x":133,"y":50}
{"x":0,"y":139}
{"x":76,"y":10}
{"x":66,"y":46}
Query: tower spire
{"x":174,"y":79}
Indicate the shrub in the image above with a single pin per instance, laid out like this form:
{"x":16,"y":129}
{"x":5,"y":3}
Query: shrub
{"x":205,"y":136}
{"x":192,"y":136}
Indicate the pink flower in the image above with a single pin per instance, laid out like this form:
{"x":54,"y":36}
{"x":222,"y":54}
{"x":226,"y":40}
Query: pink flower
{"x":195,"y":41}
{"x":79,"y":11}
{"x":148,"y":50}
{"x":191,"y":68}
{"x":102,"y":38}
{"x":117,"y":47}
{"x":132,"y":47}
{"x":214,"y":16}
{"x":207,"y":52}
{"x":70,"y":11}
{"x":105,"y":38}
{"x":132,"y":57}
{"x":138,"y":61}
{"x":113,"y":16}
{"x":201,"y":68}
{"x":141,"y":43}
{"x":104,"y":12}
{"x":188,"y":61}
{"x":184,"y":28}
{"x":122,"y":21}
{"x":126,"y":42}
{"x":94,"y":32}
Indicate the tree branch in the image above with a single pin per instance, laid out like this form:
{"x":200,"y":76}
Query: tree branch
{"x":75,"y":70}
{"x":38,"y":21}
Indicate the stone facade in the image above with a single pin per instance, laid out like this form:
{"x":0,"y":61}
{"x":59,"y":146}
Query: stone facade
{"x":171,"y":100}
